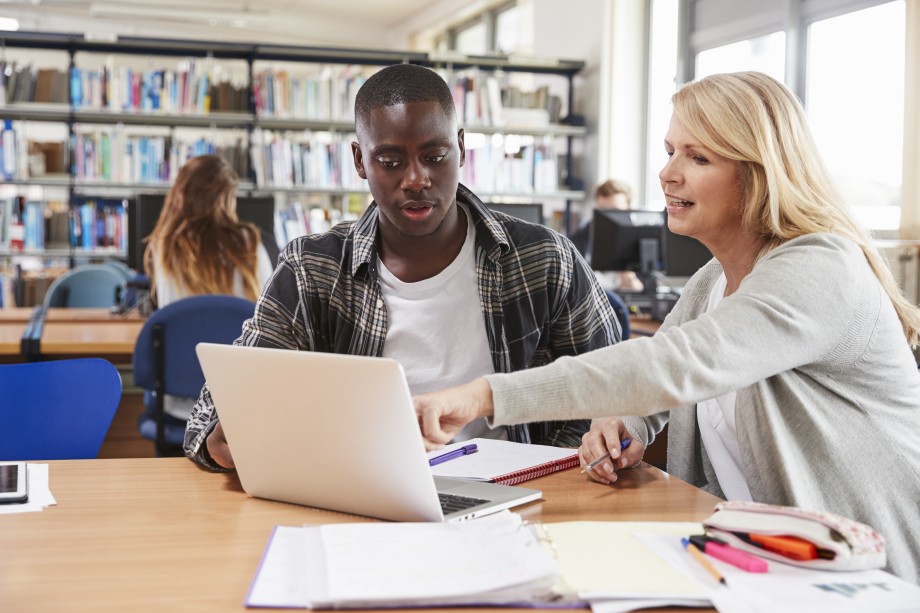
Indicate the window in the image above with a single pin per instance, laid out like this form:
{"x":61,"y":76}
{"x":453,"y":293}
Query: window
{"x":847,"y":67}
{"x":855,"y":104}
{"x":472,"y":39}
{"x":507,"y":30}
{"x":766,"y":54}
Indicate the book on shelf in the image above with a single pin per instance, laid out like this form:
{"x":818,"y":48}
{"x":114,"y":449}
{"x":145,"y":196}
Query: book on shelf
{"x":504,"y":462}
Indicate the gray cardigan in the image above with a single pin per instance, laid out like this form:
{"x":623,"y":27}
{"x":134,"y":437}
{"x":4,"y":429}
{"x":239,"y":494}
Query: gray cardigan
{"x":828,"y":393}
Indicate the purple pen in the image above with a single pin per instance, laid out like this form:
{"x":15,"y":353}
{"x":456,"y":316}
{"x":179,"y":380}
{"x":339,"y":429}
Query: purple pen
{"x":456,"y":453}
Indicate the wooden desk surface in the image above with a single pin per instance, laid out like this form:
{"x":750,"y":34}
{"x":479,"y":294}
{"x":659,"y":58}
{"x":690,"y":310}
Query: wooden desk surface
{"x":160,"y":534}
{"x":11,"y":337}
{"x":90,"y":316}
{"x":643,"y":326}
{"x":112,"y":338}
{"x":16,"y":314}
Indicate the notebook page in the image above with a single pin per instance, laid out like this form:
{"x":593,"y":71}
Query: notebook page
{"x":435,"y":561}
{"x":606,"y":560}
{"x":496,"y":457}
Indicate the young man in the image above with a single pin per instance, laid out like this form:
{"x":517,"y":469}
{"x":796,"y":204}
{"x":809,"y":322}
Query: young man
{"x":428,"y":275}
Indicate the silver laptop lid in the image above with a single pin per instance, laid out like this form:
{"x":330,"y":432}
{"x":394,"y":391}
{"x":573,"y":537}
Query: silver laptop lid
{"x":332,"y":431}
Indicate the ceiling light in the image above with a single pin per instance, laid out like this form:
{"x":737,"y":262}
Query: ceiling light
{"x":9,"y":24}
{"x":177,"y":13}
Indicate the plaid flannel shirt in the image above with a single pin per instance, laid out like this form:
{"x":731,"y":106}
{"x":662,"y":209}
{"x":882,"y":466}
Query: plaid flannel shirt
{"x":540,"y":300}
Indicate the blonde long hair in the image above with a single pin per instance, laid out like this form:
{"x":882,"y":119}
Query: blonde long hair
{"x":198,"y":239}
{"x":752,"y":118}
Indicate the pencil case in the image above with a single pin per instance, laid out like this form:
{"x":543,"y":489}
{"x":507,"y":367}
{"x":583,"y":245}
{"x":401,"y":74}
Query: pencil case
{"x":811,"y":539}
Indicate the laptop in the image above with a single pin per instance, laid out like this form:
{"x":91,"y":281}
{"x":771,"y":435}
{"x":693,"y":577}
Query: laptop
{"x":337,"y":432}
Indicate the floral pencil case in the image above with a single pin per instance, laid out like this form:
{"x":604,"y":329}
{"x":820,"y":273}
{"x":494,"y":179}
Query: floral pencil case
{"x":797,"y":536}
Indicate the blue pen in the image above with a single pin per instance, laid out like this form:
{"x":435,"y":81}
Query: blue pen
{"x":456,"y":453}
{"x":623,"y":445}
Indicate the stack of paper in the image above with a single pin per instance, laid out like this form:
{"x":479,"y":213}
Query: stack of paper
{"x":496,"y":560}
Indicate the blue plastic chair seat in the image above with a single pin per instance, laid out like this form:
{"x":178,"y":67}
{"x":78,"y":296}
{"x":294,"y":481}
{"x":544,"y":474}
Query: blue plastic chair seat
{"x":174,"y":331}
{"x":59,"y":410}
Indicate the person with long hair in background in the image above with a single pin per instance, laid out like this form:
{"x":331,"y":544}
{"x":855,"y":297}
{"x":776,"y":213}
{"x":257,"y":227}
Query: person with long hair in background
{"x":200,"y":247}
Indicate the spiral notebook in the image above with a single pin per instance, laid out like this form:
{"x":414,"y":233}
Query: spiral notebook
{"x":504,"y":462}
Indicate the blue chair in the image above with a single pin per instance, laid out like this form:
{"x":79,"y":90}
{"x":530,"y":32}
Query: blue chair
{"x":90,"y":285}
{"x":165,"y":361}
{"x":57,"y":410}
{"x":622,"y":313}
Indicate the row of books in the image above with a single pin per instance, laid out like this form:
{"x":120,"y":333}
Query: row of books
{"x":29,"y":225}
{"x":192,"y":88}
{"x":20,"y":83}
{"x":112,"y":155}
{"x":315,"y":160}
{"x":485,"y":99}
{"x":327,"y":96}
{"x":296,"y":219}
{"x":512,"y":164}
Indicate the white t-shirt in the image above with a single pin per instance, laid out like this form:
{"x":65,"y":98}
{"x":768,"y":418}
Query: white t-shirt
{"x":437,"y":331}
{"x":716,"y":419}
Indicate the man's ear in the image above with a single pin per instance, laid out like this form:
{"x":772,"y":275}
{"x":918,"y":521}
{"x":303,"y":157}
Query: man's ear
{"x":359,"y":159}
{"x":462,"y":146}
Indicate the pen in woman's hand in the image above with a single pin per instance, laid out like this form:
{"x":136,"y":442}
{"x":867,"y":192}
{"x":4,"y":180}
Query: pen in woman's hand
{"x":623,"y":445}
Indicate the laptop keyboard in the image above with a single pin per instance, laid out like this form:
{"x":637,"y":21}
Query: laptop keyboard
{"x":451,"y":503}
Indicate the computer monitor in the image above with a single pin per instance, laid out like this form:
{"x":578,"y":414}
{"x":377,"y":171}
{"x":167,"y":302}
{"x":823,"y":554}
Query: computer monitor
{"x":682,"y":255}
{"x":627,"y":240}
{"x":144,"y":211}
{"x":528,"y":212}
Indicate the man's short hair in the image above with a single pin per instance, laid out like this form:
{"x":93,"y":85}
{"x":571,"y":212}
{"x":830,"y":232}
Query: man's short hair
{"x":402,"y":84}
{"x":612,"y":187}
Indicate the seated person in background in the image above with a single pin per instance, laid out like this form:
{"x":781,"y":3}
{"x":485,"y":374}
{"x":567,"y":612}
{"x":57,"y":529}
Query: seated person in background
{"x":428,"y":275}
{"x":611,"y":194}
{"x":785,"y":368}
{"x":200,"y":247}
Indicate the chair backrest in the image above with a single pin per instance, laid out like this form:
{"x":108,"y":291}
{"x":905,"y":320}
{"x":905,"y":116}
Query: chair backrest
{"x":57,"y":410}
{"x":184,"y":324}
{"x":91,"y":285}
{"x":622,"y":313}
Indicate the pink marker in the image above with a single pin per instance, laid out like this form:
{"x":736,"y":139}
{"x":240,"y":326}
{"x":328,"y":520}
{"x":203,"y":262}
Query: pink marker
{"x":725,"y":552}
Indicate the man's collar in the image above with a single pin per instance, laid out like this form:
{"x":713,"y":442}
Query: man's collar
{"x":490,"y":235}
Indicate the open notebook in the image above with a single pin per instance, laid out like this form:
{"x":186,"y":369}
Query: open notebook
{"x":504,"y":462}
{"x":337,"y":432}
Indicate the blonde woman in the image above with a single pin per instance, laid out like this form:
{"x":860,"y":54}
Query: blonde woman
{"x":785,"y":369}
{"x":198,"y":245}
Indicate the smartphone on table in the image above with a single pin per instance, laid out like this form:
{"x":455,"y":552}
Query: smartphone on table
{"x":14,"y":482}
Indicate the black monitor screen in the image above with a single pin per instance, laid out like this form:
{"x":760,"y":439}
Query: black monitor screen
{"x":144,"y":211}
{"x":528,"y":212}
{"x":626,"y":240}
{"x":682,"y":255}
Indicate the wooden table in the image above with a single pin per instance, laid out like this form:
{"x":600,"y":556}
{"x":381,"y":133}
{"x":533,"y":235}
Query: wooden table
{"x":68,"y":333}
{"x":161,"y":534}
{"x":110,"y":339}
{"x":11,"y":338}
{"x":643,"y":326}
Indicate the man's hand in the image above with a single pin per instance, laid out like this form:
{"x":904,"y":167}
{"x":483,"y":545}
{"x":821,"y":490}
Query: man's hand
{"x":604,"y":437}
{"x":218,"y":447}
{"x":441,"y":415}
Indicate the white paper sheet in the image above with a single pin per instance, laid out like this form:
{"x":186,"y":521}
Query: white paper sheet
{"x":39,"y":493}
{"x":792,"y":589}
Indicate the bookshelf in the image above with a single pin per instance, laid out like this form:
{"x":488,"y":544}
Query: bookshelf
{"x":114,"y":116}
